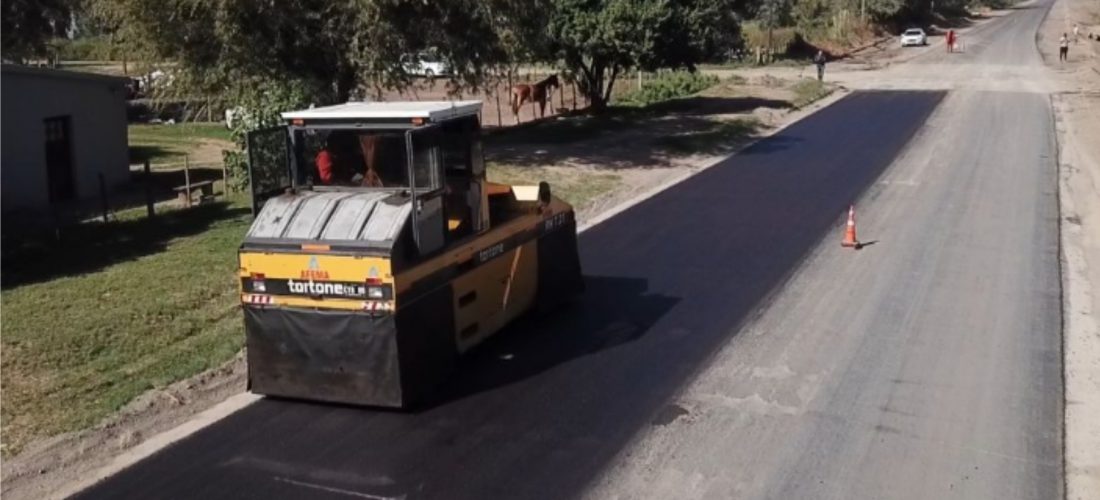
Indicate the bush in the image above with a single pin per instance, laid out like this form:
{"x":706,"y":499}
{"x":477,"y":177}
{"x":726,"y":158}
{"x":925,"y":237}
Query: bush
{"x":258,"y":105}
{"x":808,"y":90}
{"x":669,"y":86}
{"x":82,"y":49}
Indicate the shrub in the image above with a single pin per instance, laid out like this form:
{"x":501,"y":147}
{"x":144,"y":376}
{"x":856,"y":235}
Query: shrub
{"x":808,"y":90}
{"x":669,"y":86}
{"x":257,"y":106}
{"x":82,"y":49}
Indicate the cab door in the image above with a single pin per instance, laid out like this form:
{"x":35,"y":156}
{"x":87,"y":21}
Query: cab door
{"x":268,"y":164}
{"x":426,"y":184}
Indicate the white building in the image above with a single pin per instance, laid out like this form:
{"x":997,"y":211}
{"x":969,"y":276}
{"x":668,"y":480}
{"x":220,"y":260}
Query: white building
{"x":60,"y":130}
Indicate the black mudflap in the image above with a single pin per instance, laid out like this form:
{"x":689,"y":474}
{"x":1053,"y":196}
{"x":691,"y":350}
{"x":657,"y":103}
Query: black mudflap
{"x":351,"y":357}
{"x":559,"y":267}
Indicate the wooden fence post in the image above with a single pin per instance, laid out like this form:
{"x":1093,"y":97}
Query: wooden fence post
{"x":225,"y":181}
{"x":148,"y":190}
{"x":561,"y":98}
{"x":187,"y":179}
{"x":496,"y":95}
{"x":103,"y":196}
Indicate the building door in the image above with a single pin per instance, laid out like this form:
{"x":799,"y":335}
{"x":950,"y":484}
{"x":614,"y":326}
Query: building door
{"x":59,"y":159}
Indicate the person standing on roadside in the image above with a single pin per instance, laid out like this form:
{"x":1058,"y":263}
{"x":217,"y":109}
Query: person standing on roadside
{"x":819,"y":61}
{"x":950,"y":41}
{"x":1076,"y":33}
{"x":1063,"y":47}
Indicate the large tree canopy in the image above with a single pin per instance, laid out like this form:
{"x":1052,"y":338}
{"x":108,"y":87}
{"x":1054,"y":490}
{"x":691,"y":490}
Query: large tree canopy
{"x":600,"y":39}
{"x":334,"y":47}
{"x":337,"y":47}
{"x":28,"y":25}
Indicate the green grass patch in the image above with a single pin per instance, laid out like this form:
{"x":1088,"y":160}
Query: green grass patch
{"x":670,"y":85}
{"x":169,"y":143}
{"x":721,"y":136}
{"x":112,"y":312}
{"x":778,"y":61}
{"x":577,"y":186}
{"x":808,"y":90}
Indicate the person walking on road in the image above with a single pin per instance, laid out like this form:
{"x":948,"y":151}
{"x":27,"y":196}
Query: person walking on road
{"x":819,"y":61}
{"x":1063,"y":47}
{"x":950,"y":41}
{"x":1076,"y":33}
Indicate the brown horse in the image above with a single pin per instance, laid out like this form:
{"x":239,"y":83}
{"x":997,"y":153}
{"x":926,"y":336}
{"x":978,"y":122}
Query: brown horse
{"x":539,"y":92}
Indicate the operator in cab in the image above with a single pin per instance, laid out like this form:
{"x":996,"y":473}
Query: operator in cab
{"x":324,"y":163}
{"x":375,"y":160}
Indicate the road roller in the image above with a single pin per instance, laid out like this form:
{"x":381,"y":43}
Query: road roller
{"x":379,"y":252}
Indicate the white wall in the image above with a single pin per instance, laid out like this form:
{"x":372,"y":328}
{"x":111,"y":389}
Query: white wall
{"x":98,"y":129}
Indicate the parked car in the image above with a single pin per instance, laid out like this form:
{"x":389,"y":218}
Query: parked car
{"x":425,"y":64}
{"x":914,"y":36}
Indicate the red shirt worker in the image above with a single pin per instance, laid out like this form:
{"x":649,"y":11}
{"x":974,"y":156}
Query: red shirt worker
{"x":324,"y":166}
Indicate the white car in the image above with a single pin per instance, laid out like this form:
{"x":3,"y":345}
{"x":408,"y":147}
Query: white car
{"x":425,"y":64}
{"x":914,"y":36}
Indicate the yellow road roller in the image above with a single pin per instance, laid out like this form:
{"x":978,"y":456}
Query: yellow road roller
{"x":379,"y":252}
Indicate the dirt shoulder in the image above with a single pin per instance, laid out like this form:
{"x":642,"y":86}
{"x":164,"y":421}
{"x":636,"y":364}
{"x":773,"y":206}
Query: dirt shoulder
{"x":1077,"y":114}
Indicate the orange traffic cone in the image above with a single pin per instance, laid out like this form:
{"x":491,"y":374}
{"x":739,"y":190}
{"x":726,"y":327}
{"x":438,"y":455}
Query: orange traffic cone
{"x":850,"y":231}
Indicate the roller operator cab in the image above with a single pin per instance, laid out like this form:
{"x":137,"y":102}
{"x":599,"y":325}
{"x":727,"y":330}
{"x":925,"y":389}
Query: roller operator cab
{"x":379,"y":251}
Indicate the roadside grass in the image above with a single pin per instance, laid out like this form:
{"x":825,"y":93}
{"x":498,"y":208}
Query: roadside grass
{"x":168,"y":144}
{"x":578,"y":186}
{"x":808,"y":90}
{"x":718,"y":136}
{"x":749,"y":63}
{"x":671,"y":85}
{"x":78,"y":347}
{"x":110,"y":68}
{"x":117,"y":310}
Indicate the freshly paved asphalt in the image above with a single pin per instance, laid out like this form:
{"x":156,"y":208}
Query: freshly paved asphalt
{"x":925,"y":366}
{"x":544,"y":409}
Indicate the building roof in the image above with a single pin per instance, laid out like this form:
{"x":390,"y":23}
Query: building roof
{"x":16,"y":69}
{"x":431,"y":110}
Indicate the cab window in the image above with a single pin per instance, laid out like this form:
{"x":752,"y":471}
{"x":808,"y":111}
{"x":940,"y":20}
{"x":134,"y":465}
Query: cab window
{"x":366,"y":158}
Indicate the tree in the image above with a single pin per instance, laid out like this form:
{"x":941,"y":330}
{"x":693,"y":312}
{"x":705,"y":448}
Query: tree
{"x":598,"y":40}
{"x":773,"y":14}
{"x":265,"y":56}
{"x":336,"y":48}
{"x":28,"y":25}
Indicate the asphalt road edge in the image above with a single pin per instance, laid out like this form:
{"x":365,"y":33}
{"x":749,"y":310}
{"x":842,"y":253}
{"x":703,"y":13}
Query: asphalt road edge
{"x":160,"y":441}
{"x":1080,"y":340}
{"x":240,"y":401}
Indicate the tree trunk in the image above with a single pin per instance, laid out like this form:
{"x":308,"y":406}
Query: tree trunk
{"x":610,"y":84}
{"x":597,"y":103}
{"x":592,"y":87}
{"x":345,"y":83}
